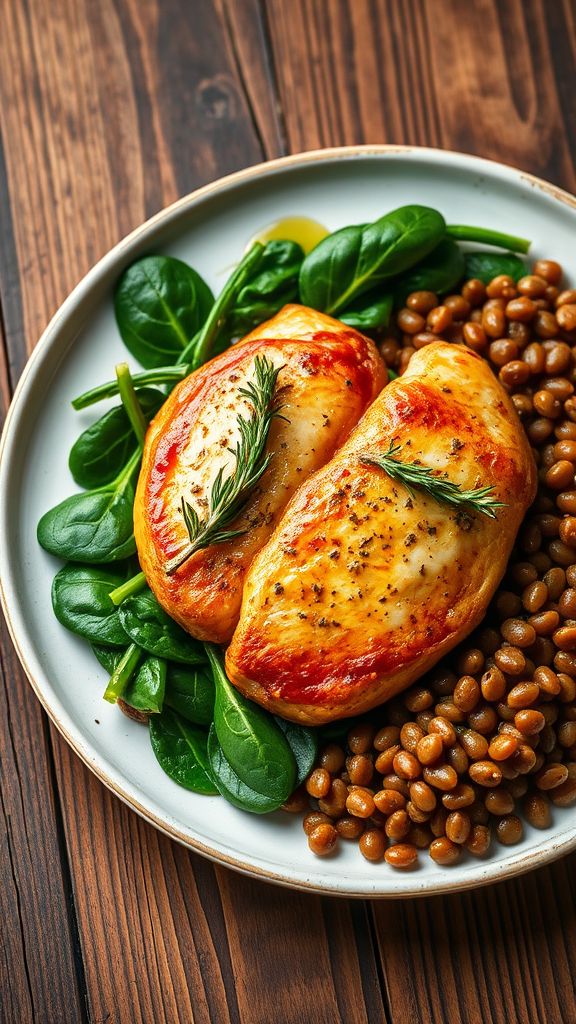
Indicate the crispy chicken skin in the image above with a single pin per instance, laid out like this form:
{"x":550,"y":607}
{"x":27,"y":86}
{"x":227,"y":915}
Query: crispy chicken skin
{"x":361,"y":588}
{"x":330,"y":375}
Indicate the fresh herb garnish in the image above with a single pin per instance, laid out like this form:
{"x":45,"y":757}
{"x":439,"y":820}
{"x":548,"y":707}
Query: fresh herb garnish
{"x":424,"y":478}
{"x":229,"y":494}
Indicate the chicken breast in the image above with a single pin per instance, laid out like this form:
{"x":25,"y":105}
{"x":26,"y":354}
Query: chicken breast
{"x":330,"y":374}
{"x":362,"y":587}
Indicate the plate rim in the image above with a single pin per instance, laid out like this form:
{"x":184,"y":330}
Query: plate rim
{"x":483,"y":874}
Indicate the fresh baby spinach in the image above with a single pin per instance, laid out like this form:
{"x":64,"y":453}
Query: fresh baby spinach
{"x":148,"y":625}
{"x":81,"y":602}
{"x":230,"y":786}
{"x":160,"y":304}
{"x":355,"y":260}
{"x":486,"y":265}
{"x":273,"y":284}
{"x":180,"y":749}
{"x":439,"y":272}
{"x":303,"y":743}
{"x":146,"y":689}
{"x":369,"y":312}
{"x":103,"y":449}
{"x":252,"y":743}
{"x":96,"y":526}
{"x":190,"y":692}
{"x":108,"y":657}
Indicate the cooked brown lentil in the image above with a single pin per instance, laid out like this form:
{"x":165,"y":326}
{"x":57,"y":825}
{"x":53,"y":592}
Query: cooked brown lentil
{"x":509,"y":830}
{"x":495,"y":723}
{"x":401,"y":855}
{"x":322,"y":839}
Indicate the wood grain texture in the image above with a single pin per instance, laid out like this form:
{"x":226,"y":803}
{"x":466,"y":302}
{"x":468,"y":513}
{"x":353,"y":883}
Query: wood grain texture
{"x":153,"y":942}
{"x":248,"y":31}
{"x":108,"y":112}
{"x":39,"y":978}
{"x":506,"y":953}
{"x":322,"y":980}
{"x":488,"y":78}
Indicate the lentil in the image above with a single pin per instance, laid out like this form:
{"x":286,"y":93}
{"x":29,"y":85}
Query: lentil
{"x":478,"y":842}
{"x":509,"y":830}
{"x":402,"y":855}
{"x":322,"y":839}
{"x":372,"y":844}
{"x":444,"y":851}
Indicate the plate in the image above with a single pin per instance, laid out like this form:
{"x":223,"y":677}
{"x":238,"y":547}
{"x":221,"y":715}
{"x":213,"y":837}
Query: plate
{"x":210,"y":229}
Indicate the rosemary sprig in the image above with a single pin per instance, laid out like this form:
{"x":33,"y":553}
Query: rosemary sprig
{"x":229,"y":494}
{"x":412,"y":474}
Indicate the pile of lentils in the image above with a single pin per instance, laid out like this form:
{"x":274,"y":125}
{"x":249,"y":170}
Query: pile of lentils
{"x":490,"y":734}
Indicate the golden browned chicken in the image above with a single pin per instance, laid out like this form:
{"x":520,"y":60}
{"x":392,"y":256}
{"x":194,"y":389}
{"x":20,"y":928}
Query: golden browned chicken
{"x":330,"y":374}
{"x":362,"y":587}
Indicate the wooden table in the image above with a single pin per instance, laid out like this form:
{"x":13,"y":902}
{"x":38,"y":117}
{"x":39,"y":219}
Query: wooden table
{"x":109,"y":110}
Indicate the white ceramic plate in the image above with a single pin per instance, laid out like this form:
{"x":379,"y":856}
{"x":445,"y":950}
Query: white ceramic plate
{"x":210,"y":229}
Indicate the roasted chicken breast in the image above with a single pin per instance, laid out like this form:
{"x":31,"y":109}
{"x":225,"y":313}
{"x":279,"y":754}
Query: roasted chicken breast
{"x":362,"y":587}
{"x":330,"y":374}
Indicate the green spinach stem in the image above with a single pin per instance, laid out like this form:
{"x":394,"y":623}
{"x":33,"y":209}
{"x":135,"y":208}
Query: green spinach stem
{"x":132,"y":586}
{"x":187,"y":352}
{"x":132,"y":406}
{"x":125,"y":475}
{"x":489,"y":237}
{"x":123,"y":673}
{"x":161,"y":375}
{"x":224,"y":303}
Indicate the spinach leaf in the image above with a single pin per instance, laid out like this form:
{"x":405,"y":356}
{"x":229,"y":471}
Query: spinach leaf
{"x":190,"y":692}
{"x":486,"y":265}
{"x":148,"y":625}
{"x":303,"y":744}
{"x":230,"y":786}
{"x":160,"y":304}
{"x":145,"y":691}
{"x":81,"y":602}
{"x":250,"y":739}
{"x":274,"y":283}
{"x":369,"y":312}
{"x":108,"y":657}
{"x":440,"y":272}
{"x":354,"y":260}
{"x":103,"y":449}
{"x":180,"y":750}
{"x":96,"y":526}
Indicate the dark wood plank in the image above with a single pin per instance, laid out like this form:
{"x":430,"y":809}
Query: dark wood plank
{"x":248,"y":32}
{"x":108,"y":114}
{"x":153,"y":945}
{"x":325,"y":981}
{"x":493,"y":79}
{"x":39,"y":979}
{"x":500,"y":954}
